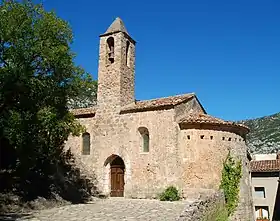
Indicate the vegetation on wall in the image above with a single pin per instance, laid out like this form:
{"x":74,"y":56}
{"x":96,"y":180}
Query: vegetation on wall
{"x":221,"y":215}
{"x":231,"y":175}
{"x":217,"y":212}
{"x":38,"y":79}
{"x":170,"y":194}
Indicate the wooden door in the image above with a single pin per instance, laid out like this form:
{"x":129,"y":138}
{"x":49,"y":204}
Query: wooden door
{"x":117,"y":181}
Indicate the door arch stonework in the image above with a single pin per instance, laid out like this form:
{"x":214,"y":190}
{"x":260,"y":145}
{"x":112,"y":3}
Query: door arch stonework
{"x":116,"y":176}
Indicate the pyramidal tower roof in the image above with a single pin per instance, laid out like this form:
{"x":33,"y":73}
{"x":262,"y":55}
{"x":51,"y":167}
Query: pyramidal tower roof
{"x":116,"y":26}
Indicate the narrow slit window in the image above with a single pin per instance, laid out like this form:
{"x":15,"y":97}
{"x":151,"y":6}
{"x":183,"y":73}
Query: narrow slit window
{"x":146,"y":140}
{"x":127,"y":54}
{"x":86,"y":144}
{"x":144,"y":132}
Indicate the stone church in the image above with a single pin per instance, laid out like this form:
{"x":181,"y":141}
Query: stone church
{"x":137,"y":148}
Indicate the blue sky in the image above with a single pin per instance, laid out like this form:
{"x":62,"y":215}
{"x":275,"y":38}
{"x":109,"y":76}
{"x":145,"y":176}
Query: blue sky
{"x":227,"y":52}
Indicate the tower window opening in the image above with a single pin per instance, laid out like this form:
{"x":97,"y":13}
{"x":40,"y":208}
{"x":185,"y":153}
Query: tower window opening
{"x":111,"y":50}
{"x":127,"y":54}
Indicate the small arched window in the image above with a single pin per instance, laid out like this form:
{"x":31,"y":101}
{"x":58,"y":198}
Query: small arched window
{"x":111,"y":50}
{"x":144,"y":132}
{"x":86,"y":144}
{"x":127,"y":54}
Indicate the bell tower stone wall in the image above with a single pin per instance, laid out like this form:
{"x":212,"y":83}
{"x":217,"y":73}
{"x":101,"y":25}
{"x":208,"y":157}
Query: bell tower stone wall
{"x":116,"y":68}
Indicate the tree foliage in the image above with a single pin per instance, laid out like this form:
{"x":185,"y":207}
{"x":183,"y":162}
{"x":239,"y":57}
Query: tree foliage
{"x":38,"y":79}
{"x":231,"y":175}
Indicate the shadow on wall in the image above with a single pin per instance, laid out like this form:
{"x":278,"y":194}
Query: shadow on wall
{"x":73,"y":185}
{"x":276,"y":212}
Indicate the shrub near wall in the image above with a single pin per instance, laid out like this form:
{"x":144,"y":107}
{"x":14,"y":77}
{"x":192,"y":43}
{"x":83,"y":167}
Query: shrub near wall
{"x":170,"y":194}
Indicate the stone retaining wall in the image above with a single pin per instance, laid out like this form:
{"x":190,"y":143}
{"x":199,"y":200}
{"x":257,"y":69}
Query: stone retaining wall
{"x":204,"y":209}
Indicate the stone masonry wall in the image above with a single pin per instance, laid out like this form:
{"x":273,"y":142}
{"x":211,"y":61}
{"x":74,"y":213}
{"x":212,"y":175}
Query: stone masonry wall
{"x":115,"y":80}
{"x":203,"y":153}
{"x":190,"y":159}
{"x":146,"y":174}
{"x":245,"y":210}
{"x":205,"y":209}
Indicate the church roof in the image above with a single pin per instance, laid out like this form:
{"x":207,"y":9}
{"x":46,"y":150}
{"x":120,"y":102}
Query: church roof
{"x":116,"y":26}
{"x":159,"y":103}
{"x":200,"y":118}
{"x":265,"y":165}
{"x":153,"y":104}
{"x":80,"y":112}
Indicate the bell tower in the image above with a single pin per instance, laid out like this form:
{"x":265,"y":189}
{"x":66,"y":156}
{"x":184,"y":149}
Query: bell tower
{"x":116,"y":67}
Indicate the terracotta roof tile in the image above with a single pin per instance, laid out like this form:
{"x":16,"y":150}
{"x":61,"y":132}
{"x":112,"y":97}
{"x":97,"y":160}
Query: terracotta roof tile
{"x":165,"y":102}
{"x":200,"y":118}
{"x":265,"y":166}
{"x":159,"y":103}
{"x":83,"y":111}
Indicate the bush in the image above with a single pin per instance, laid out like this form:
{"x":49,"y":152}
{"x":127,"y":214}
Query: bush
{"x":170,"y":194}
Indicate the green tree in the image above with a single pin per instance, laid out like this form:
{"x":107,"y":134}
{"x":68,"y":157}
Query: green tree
{"x":86,"y":98}
{"x":38,"y":79}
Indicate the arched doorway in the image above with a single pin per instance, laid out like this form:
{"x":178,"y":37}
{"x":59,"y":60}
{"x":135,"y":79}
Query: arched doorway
{"x":117,"y":169}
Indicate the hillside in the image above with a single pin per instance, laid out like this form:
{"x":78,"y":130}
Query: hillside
{"x":265,"y":134}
